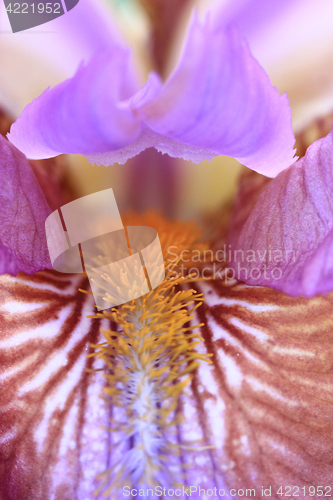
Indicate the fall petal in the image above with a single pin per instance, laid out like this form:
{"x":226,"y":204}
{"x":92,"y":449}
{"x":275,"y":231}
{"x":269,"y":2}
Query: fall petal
{"x":52,"y":444}
{"x":286,"y":241}
{"x":22,"y":217}
{"x":252,"y":418}
{"x":266,"y":403}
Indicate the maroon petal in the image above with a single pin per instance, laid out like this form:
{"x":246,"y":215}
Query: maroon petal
{"x":51,"y":441}
{"x":264,"y":406}
{"x":266,"y":403}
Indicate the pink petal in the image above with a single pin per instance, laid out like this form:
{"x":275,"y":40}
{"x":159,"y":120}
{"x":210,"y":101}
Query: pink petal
{"x":22,"y":216}
{"x":286,"y":241}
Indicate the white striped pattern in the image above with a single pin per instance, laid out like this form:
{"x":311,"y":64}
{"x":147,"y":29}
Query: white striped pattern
{"x":265,"y":403}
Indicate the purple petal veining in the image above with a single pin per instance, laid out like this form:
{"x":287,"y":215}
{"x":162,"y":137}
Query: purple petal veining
{"x":22,"y":216}
{"x":290,"y":228}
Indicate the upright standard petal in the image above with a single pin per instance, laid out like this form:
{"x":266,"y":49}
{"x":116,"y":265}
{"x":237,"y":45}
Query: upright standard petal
{"x":287,"y":240}
{"x":22,"y":215}
{"x":218,"y":101}
{"x":84,"y":114}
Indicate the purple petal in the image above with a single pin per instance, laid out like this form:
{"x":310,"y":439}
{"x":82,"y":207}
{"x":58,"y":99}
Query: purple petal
{"x":22,"y":216}
{"x":84,"y":114}
{"x":219,"y":99}
{"x":148,"y":139}
{"x":270,"y":30}
{"x":287,"y":241}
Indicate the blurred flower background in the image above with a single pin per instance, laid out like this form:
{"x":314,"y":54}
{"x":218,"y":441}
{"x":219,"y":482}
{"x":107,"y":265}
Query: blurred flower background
{"x":255,"y":412}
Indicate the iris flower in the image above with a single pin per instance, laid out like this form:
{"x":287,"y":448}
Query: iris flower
{"x":255,"y":411}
